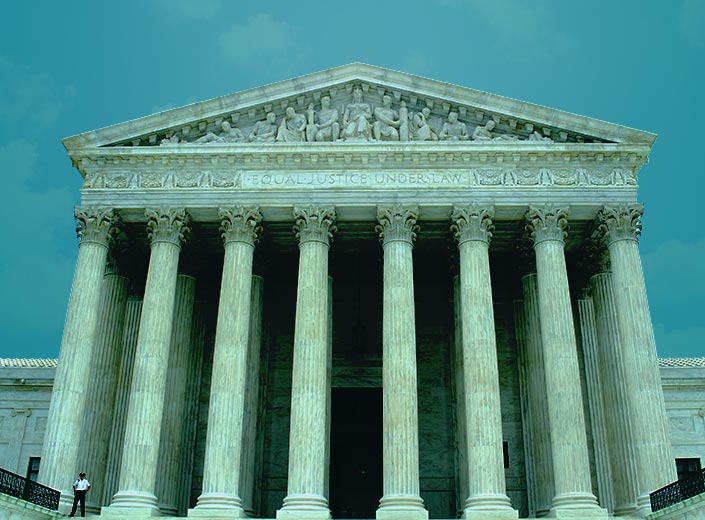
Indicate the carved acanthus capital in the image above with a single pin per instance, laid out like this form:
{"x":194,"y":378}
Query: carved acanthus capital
{"x":397,"y":223}
{"x":547,"y":223}
{"x":314,"y":224}
{"x":596,"y":255}
{"x":96,"y":225}
{"x":622,"y":222}
{"x":167,"y":224}
{"x":472,"y":223}
{"x":240,"y":224}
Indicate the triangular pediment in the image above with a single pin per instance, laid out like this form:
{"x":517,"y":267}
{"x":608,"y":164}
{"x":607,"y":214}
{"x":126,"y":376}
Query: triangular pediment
{"x":509,"y":120}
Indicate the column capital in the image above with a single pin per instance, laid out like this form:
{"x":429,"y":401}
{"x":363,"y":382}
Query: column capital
{"x":167,"y":224}
{"x":240,"y":224}
{"x":547,"y":222}
{"x":596,"y":258}
{"x":622,"y":222}
{"x":472,"y":223}
{"x":96,"y":225}
{"x":397,"y":223}
{"x":314,"y":224}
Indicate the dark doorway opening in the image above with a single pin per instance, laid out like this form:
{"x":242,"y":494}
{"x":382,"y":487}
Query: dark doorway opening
{"x":356,"y":452}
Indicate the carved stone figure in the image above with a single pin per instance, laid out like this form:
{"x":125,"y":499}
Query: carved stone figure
{"x":484,"y":133}
{"x":323,"y":126}
{"x":171,"y":141}
{"x":453,"y":130}
{"x":356,"y":119}
{"x":264,"y":131}
{"x":387,"y":121}
{"x":292,"y":128}
{"x":420,"y":128}
{"x":537,"y":136}
{"x":228,"y":134}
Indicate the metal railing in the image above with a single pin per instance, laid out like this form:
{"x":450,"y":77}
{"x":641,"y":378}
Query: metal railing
{"x":19,"y":487}
{"x":678,"y":491}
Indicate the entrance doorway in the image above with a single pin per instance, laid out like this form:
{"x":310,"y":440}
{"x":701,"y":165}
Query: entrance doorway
{"x":356,"y":452}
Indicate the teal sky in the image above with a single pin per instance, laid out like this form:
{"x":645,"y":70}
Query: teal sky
{"x":73,"y":66}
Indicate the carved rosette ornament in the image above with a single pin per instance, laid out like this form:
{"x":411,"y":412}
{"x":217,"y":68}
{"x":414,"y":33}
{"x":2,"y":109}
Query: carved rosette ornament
{"x":96,"y":225}
{"x":167,"y":225}
{"x":547,"y":223}
{"x":314,"y":224}
{"x":472,"y":223}
{"x":397,"y":223}
{"x":620,"y":223}
{"x":240,"y":224}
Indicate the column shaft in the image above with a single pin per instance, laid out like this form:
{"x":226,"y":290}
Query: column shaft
{"x":652,"y":447}
{"x":615,"y":396}
{"x":221,"y":471}
{"x":459,"y":382}
{"x":140,"y":458}
{"x":174,"y":420}
{"x":487,"y":488}
{"x":249,"y":444}
{"x":68,"y":400}
{"x":98,"y":421}
{"x":400,"y":438}
{"x":571,"y":467}
{"x":309,"y":387}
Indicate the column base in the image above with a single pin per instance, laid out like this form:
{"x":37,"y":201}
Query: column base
{"x":216,"y":513}
{"x":489,"y":506}
{"x":304,"y":507}
{"x":401,"y":507}
{"x":135,"y":504}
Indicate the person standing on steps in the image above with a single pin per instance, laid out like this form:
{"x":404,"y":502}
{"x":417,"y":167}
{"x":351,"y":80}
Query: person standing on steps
{"x":80,"y":488}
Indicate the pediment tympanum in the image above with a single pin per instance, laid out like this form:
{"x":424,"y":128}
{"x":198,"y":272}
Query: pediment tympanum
{"x":358,"y":103}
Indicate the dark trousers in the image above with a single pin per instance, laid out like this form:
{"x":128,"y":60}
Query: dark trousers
{"x":79,"y":496}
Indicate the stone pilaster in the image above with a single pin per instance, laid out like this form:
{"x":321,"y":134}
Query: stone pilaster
{"x":254,"y":345}
{"x":401,"y":500}
{"x":615,"y":395}
{"x":588,"y":334}
{"x":571,"y":467}
{"x":95,"y":228}
{"x":472,"y":227}
{"x":221,"y":472}
{"x":538,"y":426}
{"x":133,"y":311}
{"x":174,"y":420}
{"x":167,"y":229}
{"x":98,"y":421}
{"x":309,"y":387}
{"x":461,"y":472}
{"x":652,"y":448}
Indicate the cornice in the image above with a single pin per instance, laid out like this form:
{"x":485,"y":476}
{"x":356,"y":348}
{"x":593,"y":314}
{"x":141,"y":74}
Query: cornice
{"x":327,"y":156}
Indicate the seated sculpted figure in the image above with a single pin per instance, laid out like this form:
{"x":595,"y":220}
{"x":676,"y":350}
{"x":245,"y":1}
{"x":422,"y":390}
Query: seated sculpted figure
{"x":264,"y":131}
{"x":385,"y":127}
{"x":537,"y":136}
{"x":484,"y":133}
{"x":453,"y":130}
{"x":292,"y":127}
{"x":356,"y":119}
{"x":228,"y":134}
{"x":324,"y":125}
{"x":420,"y":128}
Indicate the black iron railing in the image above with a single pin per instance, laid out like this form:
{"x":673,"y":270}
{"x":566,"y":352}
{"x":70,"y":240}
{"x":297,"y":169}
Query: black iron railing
{"x":678,"y":491}
{"x":19,"y":487}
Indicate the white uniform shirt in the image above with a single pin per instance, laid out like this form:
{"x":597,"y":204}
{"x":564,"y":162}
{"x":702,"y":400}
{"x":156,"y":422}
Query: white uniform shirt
{"x":81,"y":484}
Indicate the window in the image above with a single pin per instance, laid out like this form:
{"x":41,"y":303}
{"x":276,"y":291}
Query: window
{"x":687,"y":468}
{"x":33,"y":468}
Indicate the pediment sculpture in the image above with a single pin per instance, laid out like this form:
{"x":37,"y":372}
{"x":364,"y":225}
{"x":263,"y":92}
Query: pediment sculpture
{"x":358,"y":121}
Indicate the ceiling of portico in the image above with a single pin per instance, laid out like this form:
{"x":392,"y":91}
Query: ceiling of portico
{"x":514,"y":121}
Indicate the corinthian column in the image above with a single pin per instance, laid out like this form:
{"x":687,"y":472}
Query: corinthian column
{"x":571,"y":467}
{"x":166,"y":229}
{"x":221,"y":472}
{"x":401,"y":500}
{"x":95,"y":228}
{"x":652,"y":448}
{"x":309,"y":386}
{"x":472,"y":227}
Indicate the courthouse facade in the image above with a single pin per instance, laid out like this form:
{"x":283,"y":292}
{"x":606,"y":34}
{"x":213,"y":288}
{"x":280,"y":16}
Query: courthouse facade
{"x":360,"y":294}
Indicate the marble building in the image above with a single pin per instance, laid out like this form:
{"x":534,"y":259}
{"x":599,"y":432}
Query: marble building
{"x":360,"y":293}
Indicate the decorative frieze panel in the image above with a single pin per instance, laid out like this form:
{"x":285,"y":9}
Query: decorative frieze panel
{"x":209,"y":179}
